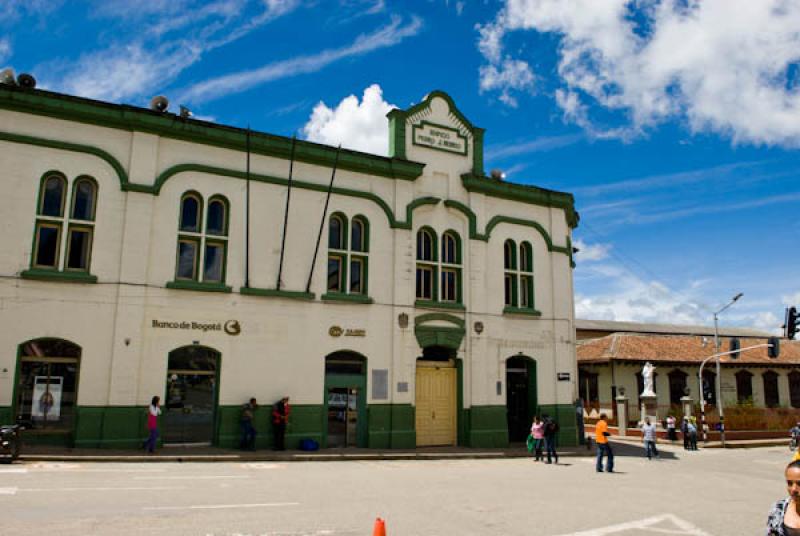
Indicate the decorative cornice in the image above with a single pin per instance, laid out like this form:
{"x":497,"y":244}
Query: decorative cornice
{"x":532,"y":195}
{"x":132,"y":118}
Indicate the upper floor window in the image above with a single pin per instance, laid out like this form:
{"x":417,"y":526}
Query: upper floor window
{"x":347,"y":261}
{"x":202,"y":250}
{"x":49,"y":250}
{"x":426,"y":265}
{"x":438,"y":277}
{"x":451,"y":268}
{"x":518,"y":274}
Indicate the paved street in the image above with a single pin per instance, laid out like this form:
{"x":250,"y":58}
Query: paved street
{"x":711,"y":492}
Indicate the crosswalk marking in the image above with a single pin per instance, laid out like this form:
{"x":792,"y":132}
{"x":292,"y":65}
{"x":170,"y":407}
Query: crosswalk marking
{"x":679,"y":526}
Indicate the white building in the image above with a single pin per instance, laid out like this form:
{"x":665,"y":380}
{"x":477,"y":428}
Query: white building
{"x":140,"y":258}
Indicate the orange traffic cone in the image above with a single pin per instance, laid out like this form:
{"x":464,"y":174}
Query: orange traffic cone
{"x":380,"y":528}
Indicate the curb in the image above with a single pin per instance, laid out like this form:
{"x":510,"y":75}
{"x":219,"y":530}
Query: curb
{"x":322,"y":457}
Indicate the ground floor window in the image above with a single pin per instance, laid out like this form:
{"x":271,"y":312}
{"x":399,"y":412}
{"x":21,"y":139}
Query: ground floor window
{"x":771,"y":396}
{"x":677,"y":386}
{"x":794,"y":388}
{"x":47,"y":384}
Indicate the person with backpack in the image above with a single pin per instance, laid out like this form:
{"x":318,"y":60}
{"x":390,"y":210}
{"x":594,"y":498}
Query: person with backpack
{"x":248,"y":441}
{"x":550,"y":430}
{"x":280,"y":418}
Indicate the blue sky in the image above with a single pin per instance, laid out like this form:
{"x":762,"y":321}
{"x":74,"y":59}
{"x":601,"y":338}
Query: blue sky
{"x":676,"y":123}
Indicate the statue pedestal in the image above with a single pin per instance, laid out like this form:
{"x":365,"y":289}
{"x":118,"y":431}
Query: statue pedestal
{"x":622,"y":415}
{"x":688,"y":405}
{"x":649,"y":408}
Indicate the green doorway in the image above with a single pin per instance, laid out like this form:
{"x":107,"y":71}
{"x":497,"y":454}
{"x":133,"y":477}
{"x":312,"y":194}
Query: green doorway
{"x":521,"y":399}
{"x":345,"y":401}
{"x":191,"y":399}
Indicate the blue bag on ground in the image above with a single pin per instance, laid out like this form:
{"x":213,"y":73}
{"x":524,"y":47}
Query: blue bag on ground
{"x":308,"y":444}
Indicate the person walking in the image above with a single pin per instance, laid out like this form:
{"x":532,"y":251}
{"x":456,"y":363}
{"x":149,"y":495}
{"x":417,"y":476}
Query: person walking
{"x":685,"y":432}
{"x":248,"y":441}
{"x":692,"y":430}
{"x":153,"y":413}
{"x":784,"y":517}
{"x":671,"y":434}
{"x":550,"y":430}
{"x":537,"y":431}
{"x":649,"y":438}
{"x":280,"y":418}
{"x":603,"y":446}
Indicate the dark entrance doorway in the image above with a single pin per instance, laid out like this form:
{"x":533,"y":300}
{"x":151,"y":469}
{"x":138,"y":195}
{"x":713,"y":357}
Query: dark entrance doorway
{"x":345,"y":400}
{"x":521,"y":402}
{"x":191,"y":398}
{"x":342,"y":417}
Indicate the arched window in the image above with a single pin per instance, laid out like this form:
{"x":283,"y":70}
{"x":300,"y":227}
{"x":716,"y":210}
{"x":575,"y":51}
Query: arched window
{"x":202,"y":250}
{"x":51,"y":224}
{"x":84,"y":193}
{"x":771,"y":396}
{"x":217,"y":221}
{"x":426,"y":265}
{"x":53,"y":195}
{"x":191,"y":211}
{"x":336,"y":231}
{"x":451,"y":268}
{"x":744,"y":386}
{"x":347,"y":263}
{"x":518,"y":275}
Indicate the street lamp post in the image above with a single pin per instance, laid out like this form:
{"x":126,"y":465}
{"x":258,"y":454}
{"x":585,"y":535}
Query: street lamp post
{"x":718,"y":382}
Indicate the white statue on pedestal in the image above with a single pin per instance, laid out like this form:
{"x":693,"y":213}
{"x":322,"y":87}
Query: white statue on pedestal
{"x":647,"y":376}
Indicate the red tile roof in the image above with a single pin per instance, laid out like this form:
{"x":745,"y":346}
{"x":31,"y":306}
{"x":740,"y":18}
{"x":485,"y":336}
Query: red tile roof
{"x":680,"y":349}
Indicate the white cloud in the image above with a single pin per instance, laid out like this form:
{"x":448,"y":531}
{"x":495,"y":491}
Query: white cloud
{"x":387,"y":36}
{"x":720,"y":65}
{"x":591,"y":252}
{"x":361,"y":126}
{"x":5,"y":50}
{"x":510,"y":75}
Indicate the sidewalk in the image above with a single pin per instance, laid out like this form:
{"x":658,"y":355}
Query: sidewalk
{"x":729,"y":444}
{"x":212,"y":454}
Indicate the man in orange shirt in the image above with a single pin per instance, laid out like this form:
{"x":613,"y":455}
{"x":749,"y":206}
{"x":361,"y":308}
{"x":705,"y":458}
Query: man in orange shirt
{"x":603,"y":446}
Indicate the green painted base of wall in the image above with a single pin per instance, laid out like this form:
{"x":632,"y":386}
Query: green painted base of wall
{"x":566,"y":417}
{"x":391,"y":426}
{"x":6,"y":417}
{"x":120,"y":427}
{"x":488,"y":427}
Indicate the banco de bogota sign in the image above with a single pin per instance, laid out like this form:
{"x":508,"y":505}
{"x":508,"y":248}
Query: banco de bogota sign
{"x":231,"y":327}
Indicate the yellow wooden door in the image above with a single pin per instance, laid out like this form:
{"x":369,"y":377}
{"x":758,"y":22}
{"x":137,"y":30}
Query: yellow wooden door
{"x":436,"y":406}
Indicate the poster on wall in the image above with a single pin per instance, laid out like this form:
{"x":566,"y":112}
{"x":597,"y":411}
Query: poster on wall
{"x":47,"y":397}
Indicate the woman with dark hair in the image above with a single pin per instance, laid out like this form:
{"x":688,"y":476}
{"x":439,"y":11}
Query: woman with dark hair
{"x":784,"y":518}
{"x":152,"y":424}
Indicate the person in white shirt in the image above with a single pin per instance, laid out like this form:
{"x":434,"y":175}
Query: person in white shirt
{"x":649,"y":438}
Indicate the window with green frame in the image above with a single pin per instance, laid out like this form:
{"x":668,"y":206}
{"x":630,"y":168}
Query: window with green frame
{"x":426,"y":265}
{"x":54,"y":220}
{"x":202,"y":249}
{"x":450,"y":288}
{"x":526,"y":276}
{"x":518,"y":275}
{"x":510,"y":273}
{"x":348,"y":260}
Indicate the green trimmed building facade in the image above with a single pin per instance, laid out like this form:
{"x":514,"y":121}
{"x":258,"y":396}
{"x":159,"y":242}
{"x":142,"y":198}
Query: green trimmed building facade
{"x":399,"y":301}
